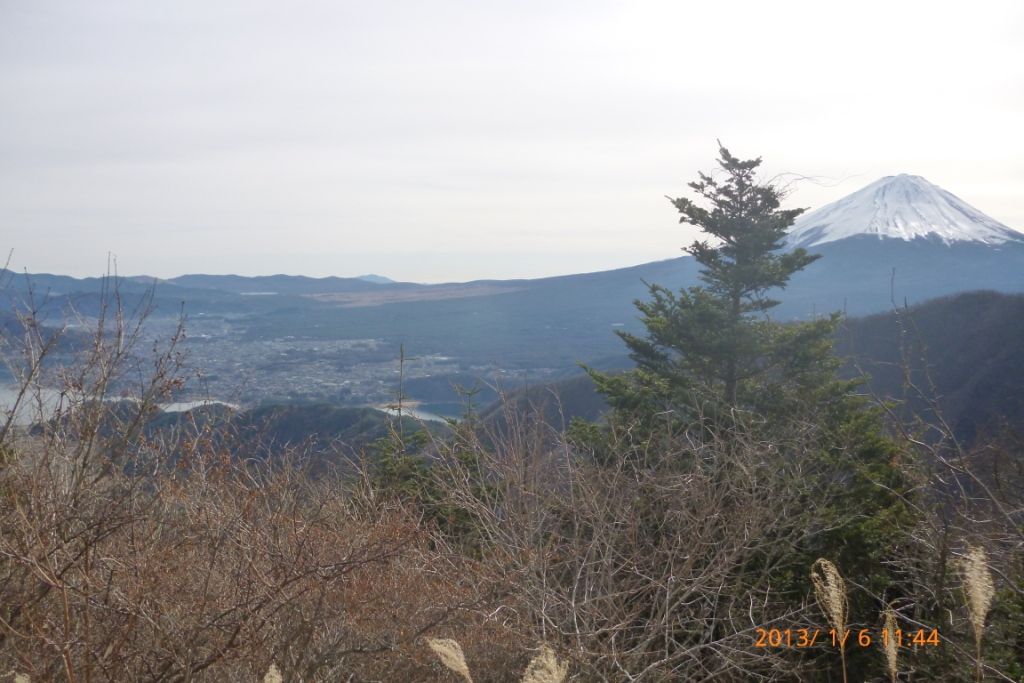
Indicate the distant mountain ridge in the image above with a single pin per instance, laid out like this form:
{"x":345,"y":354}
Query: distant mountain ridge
{"x":873,"y":255}
{"x":277,"y":284}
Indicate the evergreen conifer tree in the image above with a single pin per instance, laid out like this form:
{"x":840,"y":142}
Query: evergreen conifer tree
{"x":711,"y":353}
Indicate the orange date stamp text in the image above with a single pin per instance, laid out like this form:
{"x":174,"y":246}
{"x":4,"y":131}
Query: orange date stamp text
{"x":865,"y":637}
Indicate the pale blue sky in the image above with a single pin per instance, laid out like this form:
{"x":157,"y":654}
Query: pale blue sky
{"x":459,"y":140}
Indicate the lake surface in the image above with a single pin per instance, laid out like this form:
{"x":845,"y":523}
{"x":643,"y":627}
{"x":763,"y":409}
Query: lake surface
{"x":28,"y":411}
{"x":185,"y":406}
{"x":414,"y":413}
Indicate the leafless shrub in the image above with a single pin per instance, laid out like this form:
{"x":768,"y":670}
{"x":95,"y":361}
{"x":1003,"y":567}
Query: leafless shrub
{"x":641,"y":572}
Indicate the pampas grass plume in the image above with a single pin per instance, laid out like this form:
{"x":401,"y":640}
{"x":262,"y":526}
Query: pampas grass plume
{"x":545,"y":668}
{"x":450,"y":654}
{"x":830,"y":591}
{"x":979,"y":590}
{"x":978,"y":587}
{"x":273,"y":675}
{"x":889,"y":642}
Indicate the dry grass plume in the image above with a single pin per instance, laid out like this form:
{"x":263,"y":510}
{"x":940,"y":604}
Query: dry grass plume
{"x":450,"y":654}
{"x":273,"y":675}
{"x":830,"y":591}
{"x":889,"y":643}
{"x":979,"y":590}
{"x":545,"y":668}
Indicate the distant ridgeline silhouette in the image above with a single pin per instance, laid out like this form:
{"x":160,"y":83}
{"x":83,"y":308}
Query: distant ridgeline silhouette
{"x":900,"y":239}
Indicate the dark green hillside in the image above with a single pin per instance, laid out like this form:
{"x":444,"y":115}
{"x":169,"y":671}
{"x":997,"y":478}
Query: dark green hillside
{"x":325,"y":423}
{"x":556,"y":403}
{"x":971,"y":344}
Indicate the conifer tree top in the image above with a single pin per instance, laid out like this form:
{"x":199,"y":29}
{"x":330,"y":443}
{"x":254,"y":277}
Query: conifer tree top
{"x":744,"y":217}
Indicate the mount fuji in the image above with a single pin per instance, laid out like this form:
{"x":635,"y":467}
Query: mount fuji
{"x":899,"y":240}
{"x":905,"y":207}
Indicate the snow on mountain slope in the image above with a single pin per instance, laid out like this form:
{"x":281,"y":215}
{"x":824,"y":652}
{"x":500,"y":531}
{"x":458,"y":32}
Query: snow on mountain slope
{"x":902,"y":207}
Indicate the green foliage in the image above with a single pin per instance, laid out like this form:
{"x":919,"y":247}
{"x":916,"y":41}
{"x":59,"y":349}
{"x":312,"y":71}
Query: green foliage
{"x":711,"y":351}
{"x":399,"y":467}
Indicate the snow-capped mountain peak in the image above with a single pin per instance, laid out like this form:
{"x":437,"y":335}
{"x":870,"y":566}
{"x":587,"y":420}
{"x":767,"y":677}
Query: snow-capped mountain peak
{"x":903,"y":207}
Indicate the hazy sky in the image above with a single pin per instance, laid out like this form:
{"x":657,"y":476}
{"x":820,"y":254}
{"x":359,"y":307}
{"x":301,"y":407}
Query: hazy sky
{"x":438,"y":141}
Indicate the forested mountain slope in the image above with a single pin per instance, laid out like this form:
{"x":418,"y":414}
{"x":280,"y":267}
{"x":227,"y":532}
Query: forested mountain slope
{"x":962,"y":354}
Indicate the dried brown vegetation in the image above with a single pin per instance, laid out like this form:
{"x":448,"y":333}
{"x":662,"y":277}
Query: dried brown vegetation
{"x":642,"y":573}
{"x":125,"y":556}
{"x":963,"y":559}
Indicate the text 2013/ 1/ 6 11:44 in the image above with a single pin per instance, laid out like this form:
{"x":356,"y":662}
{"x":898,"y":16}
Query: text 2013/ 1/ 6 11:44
{"x":809,"y":637}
